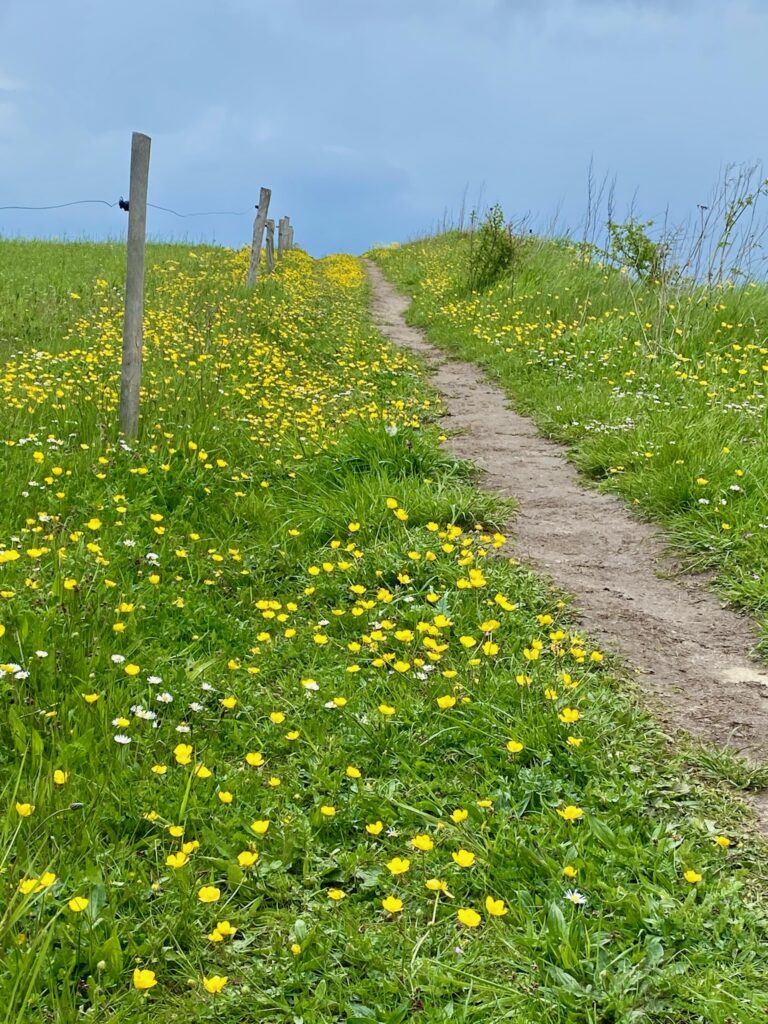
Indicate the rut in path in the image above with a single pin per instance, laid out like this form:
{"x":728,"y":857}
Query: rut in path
{"x":691,"y":654}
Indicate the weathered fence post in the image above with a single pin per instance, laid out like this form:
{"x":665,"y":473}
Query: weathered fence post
{"x":133,"y":323}
{"x":270,"y":246}
{"x":290,"y":236}
{"x":258,"y":232}
{"x":282,"y":237}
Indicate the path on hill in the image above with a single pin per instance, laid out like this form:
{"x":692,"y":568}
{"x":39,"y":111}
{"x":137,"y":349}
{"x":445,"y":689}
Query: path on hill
{"x":691,"y":654}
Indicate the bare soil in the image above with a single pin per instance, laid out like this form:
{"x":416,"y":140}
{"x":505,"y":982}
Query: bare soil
{"x":690,"y":653}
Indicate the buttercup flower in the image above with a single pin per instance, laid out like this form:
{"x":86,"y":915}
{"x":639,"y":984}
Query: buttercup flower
{"x":423,"y":843}
{"x":496,"y":908}
{"x":398,"y":865}
{"x":183,"y":753}
{"x":468,"y":917}
{"x":144,"y":979}
{"x":464,"y":858}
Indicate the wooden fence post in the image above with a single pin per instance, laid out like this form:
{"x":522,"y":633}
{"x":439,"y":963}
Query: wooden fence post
{"x":290,"y":236}
{"x":133,"y":323}
{"x":282,"y":237}
{"x":270,"y":246}
{"x":258,"y":232}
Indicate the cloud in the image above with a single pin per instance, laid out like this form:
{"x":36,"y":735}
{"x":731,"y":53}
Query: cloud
{"x":368,"y":119}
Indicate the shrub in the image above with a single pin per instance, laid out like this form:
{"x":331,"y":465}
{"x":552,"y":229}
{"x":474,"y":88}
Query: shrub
{"x":631,"y":247}
{"x":494,"y":251}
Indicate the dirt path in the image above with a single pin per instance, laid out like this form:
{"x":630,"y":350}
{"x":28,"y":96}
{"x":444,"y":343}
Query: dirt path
{"x":691,"y":654}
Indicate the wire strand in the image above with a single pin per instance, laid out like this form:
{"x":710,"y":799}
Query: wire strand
{"x":164,"y":209}
{"x":204,"y":213}
{"x":60,"y":206}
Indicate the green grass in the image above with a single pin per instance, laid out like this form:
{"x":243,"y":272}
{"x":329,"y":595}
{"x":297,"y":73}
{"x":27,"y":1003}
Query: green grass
{"x":660,"y":395}
{"x":289,"y":555}
{"x":45,"y":287}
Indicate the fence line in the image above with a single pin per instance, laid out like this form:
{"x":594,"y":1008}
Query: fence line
{"x":136,"y":207}
{"x":121,"y":202}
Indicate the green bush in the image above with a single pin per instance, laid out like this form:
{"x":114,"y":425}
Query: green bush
{"x":631,"y":247}
{"x":494,"y":252}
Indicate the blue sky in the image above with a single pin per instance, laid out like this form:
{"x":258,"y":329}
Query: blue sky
{"x":369,"y":118}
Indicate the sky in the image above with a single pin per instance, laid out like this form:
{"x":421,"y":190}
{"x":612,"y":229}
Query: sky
{"x":371,"y":119}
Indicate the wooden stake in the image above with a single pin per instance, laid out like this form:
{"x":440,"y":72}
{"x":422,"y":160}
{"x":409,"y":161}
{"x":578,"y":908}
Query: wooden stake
{"x":258,"y":232}
{"x":282,"y":237}
{"x":133,"y":323}
{"x":270,"y":246}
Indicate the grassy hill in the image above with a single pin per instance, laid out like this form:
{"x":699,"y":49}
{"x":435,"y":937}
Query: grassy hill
{"x":288,"y":736}
{"x":661,"y":392}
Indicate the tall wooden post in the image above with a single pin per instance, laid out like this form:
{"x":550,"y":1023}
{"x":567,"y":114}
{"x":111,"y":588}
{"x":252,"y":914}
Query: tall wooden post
{"x":270,"y":246}
{"x":290,"y":236}
{"x":133,"y":323}
{"x":258,"y":233}
{"x":282,"y":237}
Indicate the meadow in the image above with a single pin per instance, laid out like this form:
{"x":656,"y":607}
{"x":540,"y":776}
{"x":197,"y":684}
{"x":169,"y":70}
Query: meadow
{"x":660,"y":393}
{"x":288,"y":733}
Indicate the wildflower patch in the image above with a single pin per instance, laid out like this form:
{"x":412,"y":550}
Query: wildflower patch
{"x":289,"y":734}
